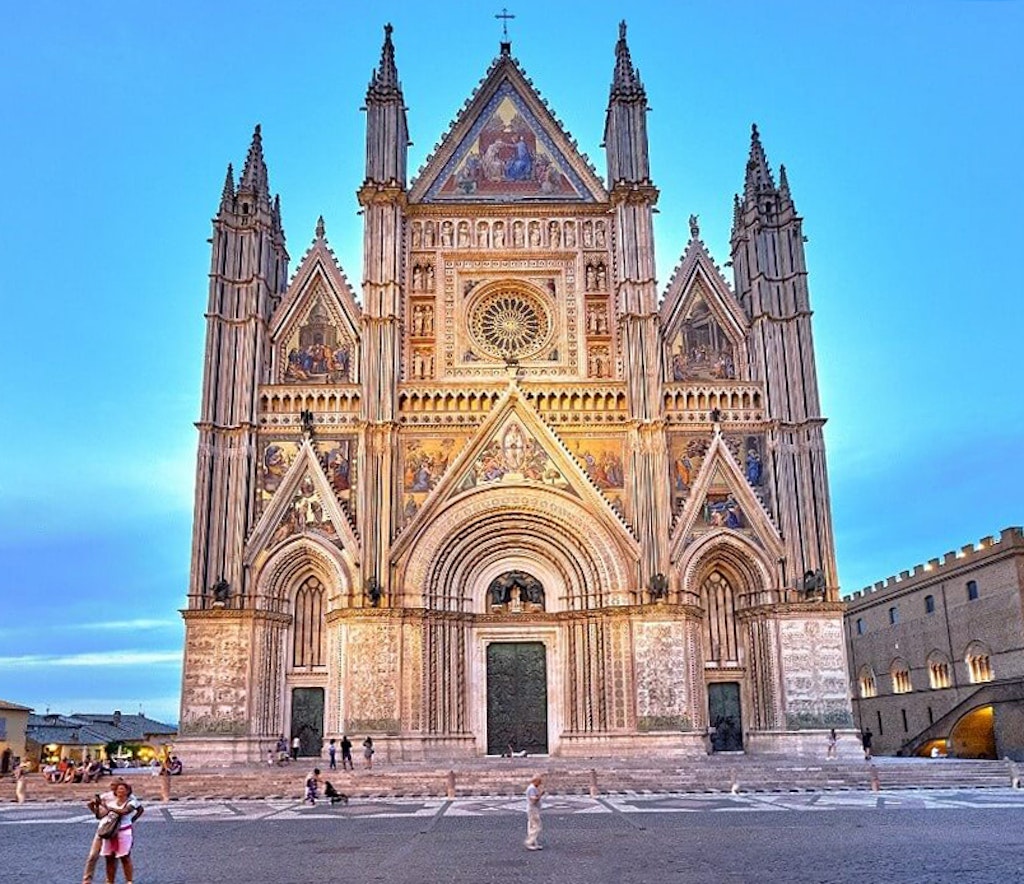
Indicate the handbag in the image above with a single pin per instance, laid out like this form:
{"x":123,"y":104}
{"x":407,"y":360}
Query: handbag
{"x":109,"y":825}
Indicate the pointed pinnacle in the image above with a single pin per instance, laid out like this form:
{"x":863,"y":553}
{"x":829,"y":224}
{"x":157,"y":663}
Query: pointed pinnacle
{"x":386,"y":75}
{"x":626,"y":79}
{"x":254,"y":175}
{"x":228,"y":192}
{"x":783,"y":181}
{"x":320,"y":229}
{"x":759,"y":175}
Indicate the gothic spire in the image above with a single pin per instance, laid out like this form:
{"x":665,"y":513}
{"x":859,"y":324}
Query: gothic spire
{"x":228,"y":193}
{"x":759,"y":175}
{"x":626,"y":79}
{"x":384,"y":82}
{"x":625,"y":128}
{"x":254,"y":175}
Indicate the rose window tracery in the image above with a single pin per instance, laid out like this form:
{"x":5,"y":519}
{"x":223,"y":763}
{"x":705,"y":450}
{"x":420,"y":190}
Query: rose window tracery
{"x":510,"y":324}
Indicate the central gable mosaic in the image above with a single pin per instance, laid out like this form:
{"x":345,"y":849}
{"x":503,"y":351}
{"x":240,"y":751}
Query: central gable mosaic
{"x":507,"y":156}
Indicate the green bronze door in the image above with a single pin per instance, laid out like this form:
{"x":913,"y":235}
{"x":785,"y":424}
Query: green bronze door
{"x":308,"y":720}
{"x":724,"y":715}
{"x":517,"y":698}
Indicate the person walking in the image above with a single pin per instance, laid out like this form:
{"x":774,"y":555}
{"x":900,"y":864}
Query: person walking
{"x":120,"y":846}
{"x":368,"y":752}
{"x":332,"y":751}
{"x":346,"y":753}
{"x":313,"y":781}
{"x":832,"y":740}
{"x":19,"y":783}
{"x":534,"y":792}
{"x":296,"y":743}
{"x":865,"y":741}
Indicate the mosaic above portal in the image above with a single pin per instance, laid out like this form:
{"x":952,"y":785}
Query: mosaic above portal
{"x":701,"y":350}
{"x":337,"y":458}
{"x":507,"y":156}
{"x":686,"y":455}
{"x":317,"y":351}
{"x":514,"y":456}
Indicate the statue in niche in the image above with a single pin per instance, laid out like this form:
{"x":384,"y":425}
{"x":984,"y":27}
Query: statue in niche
{"x":428,"y":235}
{"x":600,"y":238}
{"x":446,"y":234}
{"x":417,"y":235}
{"x":417,"y":321}
{"x":601,"y":277}
{"x":516,"y":586}
{"x":417,"y":278}
{"x":428,"y":279}
{"x":590,"y":279}
{"x":535,"y":234}
{"x":570,"y":235}
{"x":427,"y":325}
{"x":499,"y":234}
{"x":483,"y":235}
{"x":588,"y":234}
{"x":554,"y":234}
{"x":463,"y":234}
{"x":518,"y":235}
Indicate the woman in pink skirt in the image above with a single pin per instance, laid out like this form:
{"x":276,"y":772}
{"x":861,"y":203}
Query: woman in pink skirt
{"x":129,"y":809}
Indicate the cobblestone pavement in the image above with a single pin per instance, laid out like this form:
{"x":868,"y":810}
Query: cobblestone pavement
{"x":912,"y":836}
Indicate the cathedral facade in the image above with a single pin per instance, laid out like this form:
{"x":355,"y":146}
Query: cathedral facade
{"x":511,"y":495}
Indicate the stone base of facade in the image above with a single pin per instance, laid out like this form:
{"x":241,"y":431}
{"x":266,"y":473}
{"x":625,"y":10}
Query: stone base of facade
{"x":806,"y":743}
{"x":205,"y":752}
{"x":630,"y":745}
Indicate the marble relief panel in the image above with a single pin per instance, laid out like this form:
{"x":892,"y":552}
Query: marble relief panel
{"x":373,"y":677}
{"x":814,"y":678}
{"x":662,"y":700}
{"x":214,"y":689}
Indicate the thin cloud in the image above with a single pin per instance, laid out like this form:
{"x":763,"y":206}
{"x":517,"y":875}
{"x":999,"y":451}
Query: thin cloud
{"x":138,"y":624}
{"x":102,"y":658}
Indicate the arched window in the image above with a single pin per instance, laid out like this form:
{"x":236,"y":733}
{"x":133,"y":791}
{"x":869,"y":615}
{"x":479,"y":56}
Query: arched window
{"x":721,"y":639}
{"x":938,"y":671}
{"x":900,"y":673}
{"x":972,"y":590}
{"x":866,"y":681}
{"x":929,"y":604}
{"x":979,"y":663}
{"x":308,"y":625}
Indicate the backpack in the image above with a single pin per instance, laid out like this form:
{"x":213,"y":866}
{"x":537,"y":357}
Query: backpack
{"x":110,"y":825}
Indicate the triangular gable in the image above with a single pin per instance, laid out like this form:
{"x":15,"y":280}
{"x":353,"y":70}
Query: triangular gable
{"x":319,"y":299}
{"x":304,"y":504}
{"x":506,"y":146}
{"x":705,"y":327}
{"x":514,"y":447}
{"x":722,"y":500}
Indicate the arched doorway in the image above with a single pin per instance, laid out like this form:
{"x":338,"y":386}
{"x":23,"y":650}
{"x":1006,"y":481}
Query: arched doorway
{"x":973,"y":736}
{"x":307,"y":670}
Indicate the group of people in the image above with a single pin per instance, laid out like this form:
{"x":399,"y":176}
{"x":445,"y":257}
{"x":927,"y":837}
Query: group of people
{"x":68,"y":771}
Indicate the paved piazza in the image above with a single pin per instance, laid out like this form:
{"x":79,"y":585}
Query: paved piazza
{"x":912,"y":836}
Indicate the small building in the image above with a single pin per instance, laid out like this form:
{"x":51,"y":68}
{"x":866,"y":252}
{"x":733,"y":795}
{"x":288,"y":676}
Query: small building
{"x":13,"y":722}
{"x":936,"y":654}
{"x":88,"y":734}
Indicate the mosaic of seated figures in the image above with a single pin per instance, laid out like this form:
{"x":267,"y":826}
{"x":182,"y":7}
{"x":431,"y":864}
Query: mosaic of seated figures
{"x":514,"y":456}
{"x":701,"y":350}
{"x":338,"y":460}
{"x":317,"y":351}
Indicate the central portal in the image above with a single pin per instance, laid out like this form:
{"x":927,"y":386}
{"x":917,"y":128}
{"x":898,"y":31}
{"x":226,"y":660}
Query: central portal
{"x":517,"y":698}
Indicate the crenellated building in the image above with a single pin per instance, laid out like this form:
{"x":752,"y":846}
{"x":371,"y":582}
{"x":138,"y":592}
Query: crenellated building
{"x":937,"y":653}
{"x":511,"y":493}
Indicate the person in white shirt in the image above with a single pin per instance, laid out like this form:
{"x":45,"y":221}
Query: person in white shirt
{"x":533,"y":827}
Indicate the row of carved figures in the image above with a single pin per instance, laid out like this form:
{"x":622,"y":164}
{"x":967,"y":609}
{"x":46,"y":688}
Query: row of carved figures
{"x":599,"y":362}
{"x":517,"y":234}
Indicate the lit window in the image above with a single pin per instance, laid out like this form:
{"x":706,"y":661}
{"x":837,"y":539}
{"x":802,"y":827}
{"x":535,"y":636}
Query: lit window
{"x":894,"y":615}
{"x":938,"y":672}
{"x":929,"y":604}
{"x":979,"y":663}
{"x":901,"y":680}
{"x":972,"y":590}
{"x":868,"y":687}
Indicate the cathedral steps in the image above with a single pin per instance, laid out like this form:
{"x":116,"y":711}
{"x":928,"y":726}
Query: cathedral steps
{"x":497,"y":777}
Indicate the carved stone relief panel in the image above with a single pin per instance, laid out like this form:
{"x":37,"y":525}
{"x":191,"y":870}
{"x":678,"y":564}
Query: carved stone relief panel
{"x":662,"y":699}
{"x":215,"y":690}
{"x":412,"y":676}
{"x":373,"y":677}
{"x":814,"y":679}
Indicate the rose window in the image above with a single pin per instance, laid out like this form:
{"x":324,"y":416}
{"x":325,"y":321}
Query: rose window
{"x":510,"y":324}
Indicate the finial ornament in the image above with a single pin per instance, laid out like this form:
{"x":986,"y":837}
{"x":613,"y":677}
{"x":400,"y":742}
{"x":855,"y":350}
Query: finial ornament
{"x":387,"y":30}
{"x":622,"y":29}
{"x":504,"y":15}
{"x":694,"y":227}
{"x":320,"y":230}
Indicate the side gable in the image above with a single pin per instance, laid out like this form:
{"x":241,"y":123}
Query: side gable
{"x":705,"y":328}
{"x":723,"y":500}
{"x":507,"y":146}
{"x":304,"y":504}
{"x":315,"y":329}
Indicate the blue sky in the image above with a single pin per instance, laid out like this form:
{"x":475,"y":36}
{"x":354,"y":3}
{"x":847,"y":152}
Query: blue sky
{"x":899,"y":124}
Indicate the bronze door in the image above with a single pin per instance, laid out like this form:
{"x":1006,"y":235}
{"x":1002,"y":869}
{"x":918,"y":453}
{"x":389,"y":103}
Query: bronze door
{"x":724,"y":715}
{"x":517,"y":698}
{"x":308,"y":720}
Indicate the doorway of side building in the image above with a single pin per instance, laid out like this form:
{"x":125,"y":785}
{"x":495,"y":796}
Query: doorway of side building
{"x":517,"y":698}
{"x":308,"y":720}
{"x":724,"y":716}
{"x":973,"y":736}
